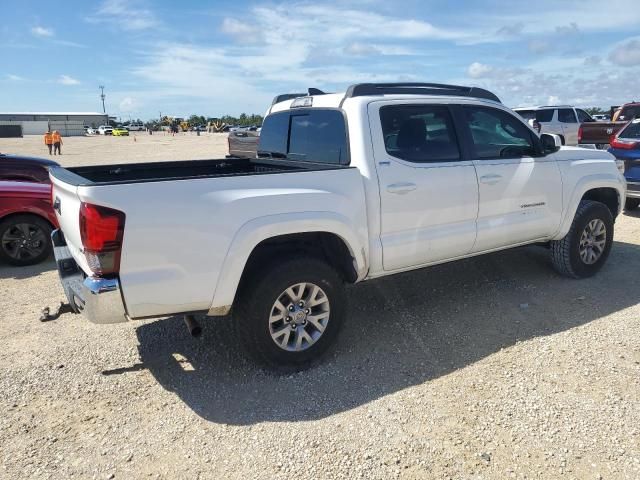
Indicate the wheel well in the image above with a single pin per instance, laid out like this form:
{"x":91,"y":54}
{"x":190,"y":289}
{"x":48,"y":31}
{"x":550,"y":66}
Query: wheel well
{"x":608,"y":196}
{"x":327,"y":246}
{"x":15,"y":214}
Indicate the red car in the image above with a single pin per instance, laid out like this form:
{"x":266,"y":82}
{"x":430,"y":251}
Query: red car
{"x":26,"y":222}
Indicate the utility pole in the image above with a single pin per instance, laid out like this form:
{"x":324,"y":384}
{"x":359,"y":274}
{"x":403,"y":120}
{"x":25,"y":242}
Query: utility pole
{"x":102,"y":95}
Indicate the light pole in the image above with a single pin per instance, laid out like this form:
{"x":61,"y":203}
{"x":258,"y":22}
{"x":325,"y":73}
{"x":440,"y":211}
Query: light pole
{"x":102,"y":95}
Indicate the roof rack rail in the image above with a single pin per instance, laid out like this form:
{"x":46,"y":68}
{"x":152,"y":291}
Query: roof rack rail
{"x":362,"y":89}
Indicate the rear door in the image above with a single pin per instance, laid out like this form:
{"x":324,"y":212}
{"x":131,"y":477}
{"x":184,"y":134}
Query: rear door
{"x":520,"y":191}
{"x":568,"y":120}
{"x":428,"y":186}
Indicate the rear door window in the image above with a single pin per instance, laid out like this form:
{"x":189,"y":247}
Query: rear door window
{"x":566,"y":115}
{"x":419,"y":133}
{"x":498,"y":134}
{"x":309,"y":135}
{"x":631,"y":131}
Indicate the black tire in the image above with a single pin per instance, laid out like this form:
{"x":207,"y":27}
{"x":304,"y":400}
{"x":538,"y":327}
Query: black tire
{"x":256,"y":299}
{"x":565,"y":253}
{"x":38,"y":229}
{"x":631,"y":204}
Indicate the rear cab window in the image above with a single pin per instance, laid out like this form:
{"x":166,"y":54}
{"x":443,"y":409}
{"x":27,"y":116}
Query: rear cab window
{"x":419,"y":133}
{"x":313,"y":135}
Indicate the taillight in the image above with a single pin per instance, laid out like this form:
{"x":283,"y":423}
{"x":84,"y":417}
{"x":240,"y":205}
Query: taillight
{"x":623,"y":144}
{"x":101,"y":232}
{"x":580,"y":134}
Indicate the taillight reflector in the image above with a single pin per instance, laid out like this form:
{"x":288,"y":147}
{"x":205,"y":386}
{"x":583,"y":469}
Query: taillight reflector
{"x":101,"y":232}
{"x":623,"y":144}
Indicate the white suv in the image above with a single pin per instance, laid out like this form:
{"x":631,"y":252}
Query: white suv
{"x":563,"y":120}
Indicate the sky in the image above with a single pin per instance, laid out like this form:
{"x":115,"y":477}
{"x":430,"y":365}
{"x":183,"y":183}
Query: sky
{"x":227,"y":57}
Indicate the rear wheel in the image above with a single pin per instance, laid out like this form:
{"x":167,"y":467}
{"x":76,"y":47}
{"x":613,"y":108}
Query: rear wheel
{"x":290,"y":314}
{"x":24,"y":240}
{"x":584,"y":250}
{"x":631,"y":204}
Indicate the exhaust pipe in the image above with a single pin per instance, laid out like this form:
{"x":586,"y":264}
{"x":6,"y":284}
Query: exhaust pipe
{"x":193,"y":326}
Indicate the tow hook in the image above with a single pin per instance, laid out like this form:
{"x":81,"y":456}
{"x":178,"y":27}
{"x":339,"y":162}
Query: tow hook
{"x":62,"y":308}
{"x":193,"y":326}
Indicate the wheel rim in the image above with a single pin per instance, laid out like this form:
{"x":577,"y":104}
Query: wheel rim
{"x":593,"y":241}
{"x":24,"y":241}
{"x":299,"y":317}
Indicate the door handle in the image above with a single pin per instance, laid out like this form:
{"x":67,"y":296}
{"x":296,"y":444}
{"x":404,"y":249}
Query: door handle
{"x":401,"y":188}
{"x":490,"y":179}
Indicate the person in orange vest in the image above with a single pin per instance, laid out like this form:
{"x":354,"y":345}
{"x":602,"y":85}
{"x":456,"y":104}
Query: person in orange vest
{"x":48,"y":140}
{"x":57,"y":142}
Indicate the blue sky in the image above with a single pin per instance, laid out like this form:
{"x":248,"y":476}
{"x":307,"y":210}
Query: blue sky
{"x":213,"y":58}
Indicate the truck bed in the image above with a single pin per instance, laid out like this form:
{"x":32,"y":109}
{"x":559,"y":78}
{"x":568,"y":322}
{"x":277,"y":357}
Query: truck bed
{"x":180,"y":170}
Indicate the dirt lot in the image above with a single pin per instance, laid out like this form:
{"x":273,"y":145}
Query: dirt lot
{"x":493,"y":367}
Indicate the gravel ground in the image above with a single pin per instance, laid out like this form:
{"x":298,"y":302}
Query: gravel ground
{"x":492,"y":367}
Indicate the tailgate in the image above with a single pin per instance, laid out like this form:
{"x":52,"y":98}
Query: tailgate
{"x":67,"y":208}
{"x":599,"y":132}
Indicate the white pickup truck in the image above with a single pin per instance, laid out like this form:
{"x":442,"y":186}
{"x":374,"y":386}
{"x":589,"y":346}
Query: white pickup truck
{"x":347,"y":187}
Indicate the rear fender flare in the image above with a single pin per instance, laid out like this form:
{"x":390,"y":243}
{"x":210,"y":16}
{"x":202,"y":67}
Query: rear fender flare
{"x":255,"y":231}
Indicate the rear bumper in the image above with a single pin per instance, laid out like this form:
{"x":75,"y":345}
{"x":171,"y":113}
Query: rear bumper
{"x":99,"y":299}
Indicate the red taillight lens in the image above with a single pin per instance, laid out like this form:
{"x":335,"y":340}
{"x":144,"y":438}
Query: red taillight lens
{"x":623,"y":144}
{"x":580,"y":134}
{"x":101,"y":232}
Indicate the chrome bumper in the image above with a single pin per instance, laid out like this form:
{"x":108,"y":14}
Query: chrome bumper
{"x":633,"y":190}
{"x":99,"y":299}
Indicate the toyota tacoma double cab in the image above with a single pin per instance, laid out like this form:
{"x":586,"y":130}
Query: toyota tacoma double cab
{"x":345,"y":188}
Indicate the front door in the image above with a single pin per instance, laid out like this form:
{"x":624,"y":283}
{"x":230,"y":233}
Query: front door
{"x":428,"y":192}
{"x":570,"y":125}
{"x":520,"y":191}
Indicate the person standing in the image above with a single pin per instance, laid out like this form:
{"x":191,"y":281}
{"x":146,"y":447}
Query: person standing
{"x":48,"y":140}
{"x":57,"y":142}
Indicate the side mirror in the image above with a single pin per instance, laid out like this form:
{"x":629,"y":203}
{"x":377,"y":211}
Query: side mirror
{"x":550,"y":143}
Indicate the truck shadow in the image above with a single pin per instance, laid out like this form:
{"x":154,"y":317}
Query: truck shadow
{"x":401,"y":331}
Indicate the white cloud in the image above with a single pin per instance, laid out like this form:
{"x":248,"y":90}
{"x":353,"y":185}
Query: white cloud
{"x":42,"y":32}
{"x":124,"y":14}
{"x":67,"y":80}
{"x":539,"y":46}
{"x":479,"y":70}
{"x":240,"y":31}
{"x":128,"y":104}
{"x":626,"y":54}
{"x":13,"y":78}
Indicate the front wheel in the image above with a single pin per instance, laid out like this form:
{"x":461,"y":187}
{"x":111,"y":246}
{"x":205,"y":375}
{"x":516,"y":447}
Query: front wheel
{"x":291,"y":314}
{"x":631,"y":204}
{"x":584,"y":250}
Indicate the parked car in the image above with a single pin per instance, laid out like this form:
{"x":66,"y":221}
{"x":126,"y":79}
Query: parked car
{"x":243,"y":143}
{"x":601,"y":132}
{"x":120,"y":132}
{"x":25,"y":169}
{"x":625,"y":146}
{"x":601,"y":117}
{"x":136,"y":127}
{"x":562,"y":120}
{"x":425,"y":174}
{"x":26,"y":222}
{"x":105,"y":130}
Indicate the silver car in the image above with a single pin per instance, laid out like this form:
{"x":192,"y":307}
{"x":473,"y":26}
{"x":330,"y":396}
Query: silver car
{"x":563,"y":120}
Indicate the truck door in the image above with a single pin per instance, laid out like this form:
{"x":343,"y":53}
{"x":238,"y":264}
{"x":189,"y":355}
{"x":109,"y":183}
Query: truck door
{"x":520,"y":192}
{"x":428,"y":190}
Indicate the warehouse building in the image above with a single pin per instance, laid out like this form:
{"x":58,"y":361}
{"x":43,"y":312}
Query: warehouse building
{"x":37,"y":123}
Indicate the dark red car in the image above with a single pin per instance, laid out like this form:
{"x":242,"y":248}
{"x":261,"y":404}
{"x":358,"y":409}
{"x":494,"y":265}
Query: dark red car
{"x":26,"y":214}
